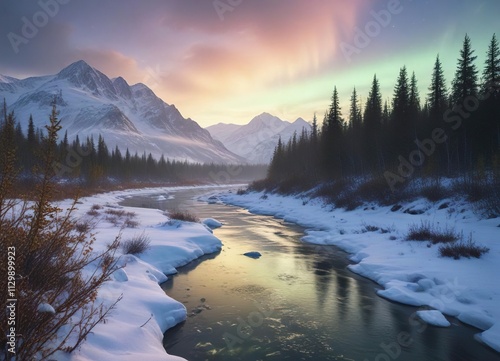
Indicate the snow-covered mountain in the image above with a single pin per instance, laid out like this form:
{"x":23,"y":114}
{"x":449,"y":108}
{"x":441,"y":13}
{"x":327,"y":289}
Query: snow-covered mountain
{"x":257,"y":140}
{"x":126,"y":116}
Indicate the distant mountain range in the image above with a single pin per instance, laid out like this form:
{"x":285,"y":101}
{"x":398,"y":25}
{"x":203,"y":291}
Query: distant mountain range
{"x":127,"y":116}
{"x":257,"y":140}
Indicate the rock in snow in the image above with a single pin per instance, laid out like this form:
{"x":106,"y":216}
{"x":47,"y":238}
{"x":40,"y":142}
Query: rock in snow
{"x":254,"y":255}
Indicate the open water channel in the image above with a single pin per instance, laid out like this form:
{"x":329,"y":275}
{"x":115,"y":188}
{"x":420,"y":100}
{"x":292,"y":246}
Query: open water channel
{"x":296,"y":302}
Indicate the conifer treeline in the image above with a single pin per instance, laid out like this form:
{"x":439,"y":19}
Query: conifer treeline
{"x":92,"y":162}
{"x":454,"y":132}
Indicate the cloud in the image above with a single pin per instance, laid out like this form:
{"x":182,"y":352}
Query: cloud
{"x":259,"y":44}
{"x":182,"y":49}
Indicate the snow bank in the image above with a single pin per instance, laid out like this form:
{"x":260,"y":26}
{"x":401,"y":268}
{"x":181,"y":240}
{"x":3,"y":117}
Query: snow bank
{"x":434,"y":318}
{"x":211,"y":223}
{"x":134,"y":329}
{"x":409,"y":272}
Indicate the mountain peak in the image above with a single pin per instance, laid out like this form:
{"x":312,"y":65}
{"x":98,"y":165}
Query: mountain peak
{"x":7,"y":79}
{"x":122,"y":88}
{"x":83,"y":76}
{"x":301,"y":121}
{"x":77,"y":67}
{"x":126,"y":116}
{"x":265,"y":119}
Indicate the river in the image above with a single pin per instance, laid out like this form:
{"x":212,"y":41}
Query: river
{"x":296,"y":302}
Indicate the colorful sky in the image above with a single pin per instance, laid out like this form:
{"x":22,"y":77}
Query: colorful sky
{"x":229,"y":60}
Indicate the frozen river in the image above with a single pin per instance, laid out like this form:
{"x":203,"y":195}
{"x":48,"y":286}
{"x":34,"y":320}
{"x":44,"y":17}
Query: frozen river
{"x":296,"y":302}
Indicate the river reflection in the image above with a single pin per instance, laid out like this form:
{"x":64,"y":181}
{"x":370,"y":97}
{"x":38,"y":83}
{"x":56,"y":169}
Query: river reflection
{"x":297,"y":302}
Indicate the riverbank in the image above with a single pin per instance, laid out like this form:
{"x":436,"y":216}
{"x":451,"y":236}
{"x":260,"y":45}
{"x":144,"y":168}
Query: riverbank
{"x":134,"y":329}
{"x":411,"y":272}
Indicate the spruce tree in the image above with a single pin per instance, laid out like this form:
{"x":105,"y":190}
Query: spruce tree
{"x":373,"y":108}
{"x":401,"y":100}
{"x":355,"y":111}
{"x":414,"y":100}
{"x":372,"y":127}
{"x":331,"y":137}
{"x":465,"y":82}
{"x":491,"y":73}
{"x":334,"y":113}
{"x":314,"y":134}
{"x":437,"y":98}
{"x":487,"y":126}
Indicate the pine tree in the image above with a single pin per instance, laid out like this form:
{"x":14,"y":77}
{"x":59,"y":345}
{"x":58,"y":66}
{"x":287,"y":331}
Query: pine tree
{"x":465,"y":82}
{"x":274,"y":171}
{"x":401,"y":100}
{"x":335,"y":114}
{"x":4,"y":112}
{"x":487,"y":125}
{"x":373,"y":108}
{"x":331,"y":137}
{"x":372,"y":127}
{"x":437,"y":98}
{"x":31,"y":132}
{"x":355,"y":111}
{"x":414,"y":100}
{"x":386,"y":114}
{"x":314,"y":133}
{"x":491,"y":73}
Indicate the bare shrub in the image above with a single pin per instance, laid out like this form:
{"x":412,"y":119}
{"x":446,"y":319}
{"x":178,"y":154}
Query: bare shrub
{"x":137,"y":245}
{"x":434,"y":192}
{"x":120,"y":213}
{"x":369,"y":228}
{"x":466,"y":249}
{"x":184,"y":216}
{"x":241,"y":191}
{"x":375,"y":189}
{"x":50,"y":260}
{"x":93,"y":213}
{"x":83,"y":226}
{"x":331,"y":191}
{"x":115,"y":221}
{"x":491,"y":202}
{"x":262,"y":185}
{"x":96,"y":207}
{"x":426,"y":231}
{"x":130,"y":223}
{"x":130,"y":215}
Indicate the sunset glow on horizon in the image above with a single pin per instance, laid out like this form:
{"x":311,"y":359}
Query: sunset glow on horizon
{"x":219,"y":62}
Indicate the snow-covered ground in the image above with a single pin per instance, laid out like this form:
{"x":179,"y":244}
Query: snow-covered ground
{"x":410,"y":272}
{"x":134,"y":329}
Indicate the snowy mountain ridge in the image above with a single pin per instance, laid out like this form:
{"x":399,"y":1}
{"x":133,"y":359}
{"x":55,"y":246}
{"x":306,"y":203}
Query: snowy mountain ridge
{"x":257,"y":140}
{"x":127,"y":116}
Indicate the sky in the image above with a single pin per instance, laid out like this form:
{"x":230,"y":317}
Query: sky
{"x":230,"y":60}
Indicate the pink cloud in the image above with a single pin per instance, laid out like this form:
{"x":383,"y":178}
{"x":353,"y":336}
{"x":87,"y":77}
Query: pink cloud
{"x":259,"y":43}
